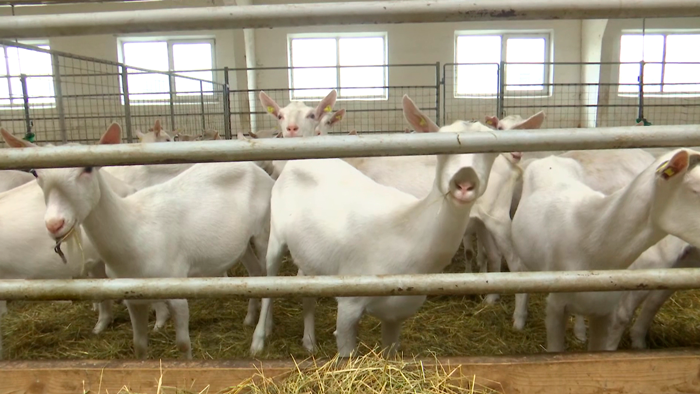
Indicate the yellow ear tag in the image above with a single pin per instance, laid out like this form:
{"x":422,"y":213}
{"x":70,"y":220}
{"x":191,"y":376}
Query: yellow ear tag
{"x":270,"y":109}
{"x":665,"y":170}
{"x":422,"y":122}
{"x":338,"y":117}
{"x":489,"y":122}
{"x":328,"y":109}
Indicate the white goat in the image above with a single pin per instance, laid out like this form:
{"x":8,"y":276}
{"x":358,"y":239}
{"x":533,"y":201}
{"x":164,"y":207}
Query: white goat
{"x":29,"y":254}
{"x":328,"y":119}
{"x":582,"y":229}
{"x":318,"y":205}
{"x":297,"y":119}
{"x":155,"y":134}
{"x":670,"y":252}
{"x":10,"y":179}
{"x":205,"y":242}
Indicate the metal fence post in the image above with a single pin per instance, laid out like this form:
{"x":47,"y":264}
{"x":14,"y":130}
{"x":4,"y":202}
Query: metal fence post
{"x":25,"y":101}
{"x":444,"y":91}
{"x":227,"y":106}
{"x":58,"y":96}
{"x":501,"y":92}
{"x":171,"y":88}
{"x":201,"y":101}
{"x":127,"y":105}
{"x":437,"y":93}
{"x":640,"y":112}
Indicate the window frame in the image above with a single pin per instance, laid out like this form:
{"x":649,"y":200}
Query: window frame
{"x":179,"y":98}
{"x":546,"y":90}
{"x":337,"y":36}
{"x":11,"y":106}
{"x":660,"y":94}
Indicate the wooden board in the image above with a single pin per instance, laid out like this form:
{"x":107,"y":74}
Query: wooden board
{"x":668,"y":371}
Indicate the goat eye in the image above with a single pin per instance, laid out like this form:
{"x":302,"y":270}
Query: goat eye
{"x":33,"y":172}
{"x":279,"y":117}
{"x":312,"y":116}
{"x":88,"y":170}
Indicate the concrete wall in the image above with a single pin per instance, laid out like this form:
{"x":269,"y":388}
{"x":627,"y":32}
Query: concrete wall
{"x":572,"y":42}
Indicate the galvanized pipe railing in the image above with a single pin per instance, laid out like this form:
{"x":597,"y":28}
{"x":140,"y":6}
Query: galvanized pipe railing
{"x":366,"y":12}
{"x":344,"y":286}
{"x":352,"y":146}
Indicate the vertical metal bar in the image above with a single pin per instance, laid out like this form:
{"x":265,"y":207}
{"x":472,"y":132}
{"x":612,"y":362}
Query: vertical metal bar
{"x":171,"y":87}
{"x":444,"y":91}
{"x":58,"y":95}
{"x":501,"y":90}
{"x":127,"y":104}
{"x":227,"y":106}
{"x":201,"y":101}
{"x":437,"y":93}
{"x":640,"y":114}
{"x":25,"y":100}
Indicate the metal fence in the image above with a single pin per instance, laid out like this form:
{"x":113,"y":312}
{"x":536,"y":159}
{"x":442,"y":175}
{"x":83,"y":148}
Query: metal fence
{"x":369,"y":109}
{"x":76,"y":98}
{"x":602,"y":98}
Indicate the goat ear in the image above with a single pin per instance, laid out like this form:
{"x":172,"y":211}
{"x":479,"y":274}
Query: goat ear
{"x":492,"y":121}
{"x":673,"y":167}
{"x":240,"y":136}
{"x":156,"y":127}
{"x":352,"y":132}
{"x":113,"y":135}
{"x":533,"y":122}
{"x":416,"y":118}
{"x":216,"y":136}
{"x":338,"y":116}
{"x":269,"y":104}
{"x":15,"y":142}
{"x":252,"y":134}
{"x":326,"y":105}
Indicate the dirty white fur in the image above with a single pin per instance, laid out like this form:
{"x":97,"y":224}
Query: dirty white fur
{"x":331,"y":217}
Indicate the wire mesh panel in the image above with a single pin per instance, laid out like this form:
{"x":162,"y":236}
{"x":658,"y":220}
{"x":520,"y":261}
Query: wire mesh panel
{"x":370,"y":107}
{"x":470,"y":91}
{"x":68,"y":98}
{"x":528,"y":88}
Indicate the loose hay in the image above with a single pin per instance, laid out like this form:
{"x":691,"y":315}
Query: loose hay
{"x":444,"y":326}
{"x":369,"y":373}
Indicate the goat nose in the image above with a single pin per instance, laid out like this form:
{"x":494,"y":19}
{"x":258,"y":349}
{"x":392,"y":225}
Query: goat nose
{"x":465,"y":186}
{"x":292,"y":128}
{"x":55,"y":225}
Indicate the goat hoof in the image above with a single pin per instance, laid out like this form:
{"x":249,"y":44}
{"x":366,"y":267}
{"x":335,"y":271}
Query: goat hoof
{"x":518,"y":324}
{"x":639,"y":343}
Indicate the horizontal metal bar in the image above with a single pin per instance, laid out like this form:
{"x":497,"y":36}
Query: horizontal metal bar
{"x":352,"y":146}
{"x":345,"y":286}
{"x":366,"y":12}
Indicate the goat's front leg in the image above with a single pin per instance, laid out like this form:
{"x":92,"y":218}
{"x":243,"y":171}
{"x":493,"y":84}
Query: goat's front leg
{"x":349,"y":315}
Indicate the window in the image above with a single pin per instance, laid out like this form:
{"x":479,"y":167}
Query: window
{"x":662,"y":73}
{"x":478,"y":58}
{"x":179,"y":56}
{"x":36,"y":66}
{"x":319,"y":64}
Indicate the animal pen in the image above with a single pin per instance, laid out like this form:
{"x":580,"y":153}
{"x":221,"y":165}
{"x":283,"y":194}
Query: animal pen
{"x":90,"y":94}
